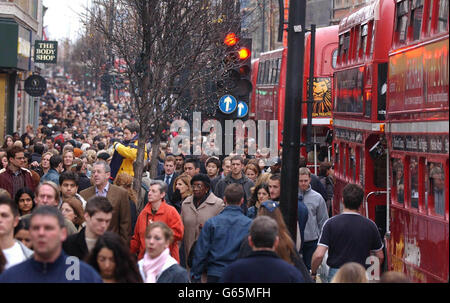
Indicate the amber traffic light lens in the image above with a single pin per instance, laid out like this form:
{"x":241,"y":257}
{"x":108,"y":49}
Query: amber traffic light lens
{"x":244,"y":53}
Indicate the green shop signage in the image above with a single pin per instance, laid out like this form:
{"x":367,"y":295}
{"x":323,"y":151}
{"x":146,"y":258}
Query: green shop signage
{"x":45,"y":51}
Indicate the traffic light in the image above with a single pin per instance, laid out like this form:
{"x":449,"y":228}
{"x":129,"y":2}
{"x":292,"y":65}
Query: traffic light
{"x":105,"y":84}
{"x":236,"y":78}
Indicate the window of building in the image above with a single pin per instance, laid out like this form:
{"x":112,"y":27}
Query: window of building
{"x":443,"y":16}
{"x":437,"y":188}
{"x":416,"y":18}
{"x":402,"y":20}
{"x":398,"y":185}
{"x":414,"y":181}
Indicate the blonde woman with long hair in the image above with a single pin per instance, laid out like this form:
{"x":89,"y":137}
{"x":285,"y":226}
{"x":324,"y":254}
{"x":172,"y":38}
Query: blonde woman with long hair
{"x":124,"y":180}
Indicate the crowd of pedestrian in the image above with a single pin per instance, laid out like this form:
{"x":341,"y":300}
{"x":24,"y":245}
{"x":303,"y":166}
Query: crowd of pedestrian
{"x":66,"y":190}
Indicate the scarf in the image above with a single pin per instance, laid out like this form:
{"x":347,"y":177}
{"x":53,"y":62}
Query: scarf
{"x":153,"y":267}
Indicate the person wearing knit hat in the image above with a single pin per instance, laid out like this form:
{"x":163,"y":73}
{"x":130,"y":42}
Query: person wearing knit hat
{"x":203,"y":178}
{"x":196,"y":210}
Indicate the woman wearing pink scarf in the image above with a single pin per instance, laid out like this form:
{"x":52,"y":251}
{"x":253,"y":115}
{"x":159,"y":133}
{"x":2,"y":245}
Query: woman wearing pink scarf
{"x":158,"y":266}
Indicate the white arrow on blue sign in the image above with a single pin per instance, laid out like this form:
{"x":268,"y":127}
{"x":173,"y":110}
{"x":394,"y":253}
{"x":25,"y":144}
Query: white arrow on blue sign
{"x":227,"y":104}
{"x":242,"y":109}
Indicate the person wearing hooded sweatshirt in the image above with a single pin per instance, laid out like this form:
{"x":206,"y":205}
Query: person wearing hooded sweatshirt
{"x":125,"y":153}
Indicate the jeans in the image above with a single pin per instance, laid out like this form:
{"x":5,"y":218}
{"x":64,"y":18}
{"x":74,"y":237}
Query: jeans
{"x":308,"y":251}
{"x":331,"y":272}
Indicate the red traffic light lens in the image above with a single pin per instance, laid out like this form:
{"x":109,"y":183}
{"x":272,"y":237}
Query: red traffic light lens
{"x":244,"y":53}
{"x":231,"y":39}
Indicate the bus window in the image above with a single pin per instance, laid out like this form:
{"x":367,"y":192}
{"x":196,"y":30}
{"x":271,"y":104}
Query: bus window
{"x":443,"y":15}
{"x":341,"y":47}
{"x":352,"y":163}
{"x":274,"y":71}
{"x":337,"y":167}
{"x":416,"y":18}
{"x":430,"y":24}
{"x":361,"y":167}
{"x":277,"y":71}
{"x":363,"y":40}
{"x":269,"y":72}
{"x":334,"y":58}
{"x":266,"y":72}
{"x":346,"y":45}
{"x":372,"y":42}
{"x":414,"y":181}
{"x":402,"y":20}
{"x":398,"y":186}
{"x":344,"y":160}
{"x":261,"y":72}
{"x":437,"y":183}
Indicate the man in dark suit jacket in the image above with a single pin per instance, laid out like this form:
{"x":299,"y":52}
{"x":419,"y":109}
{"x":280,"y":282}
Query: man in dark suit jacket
{"x":263,"y":265}
{"x":169,"y":176}
{"x":117,"y":196}
{"x":98,"y":214}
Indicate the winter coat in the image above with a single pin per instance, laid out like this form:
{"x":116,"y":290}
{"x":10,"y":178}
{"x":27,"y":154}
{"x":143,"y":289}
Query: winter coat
{"x":246,"y":183}
{"x":124,"y":157}
{"x":167,"y":214}
{"x":51,"y":175}
{"x":121,"y":215}
{"x":262,"y":267}
{"x":170,"y":273}
{"x":219,"y":242}
{"x":6,"y":180}
{"x":194,"y":218}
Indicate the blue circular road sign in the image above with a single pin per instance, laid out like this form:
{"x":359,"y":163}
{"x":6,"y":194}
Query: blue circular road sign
{"x":242,"y":109}
{"x":227,"y":104}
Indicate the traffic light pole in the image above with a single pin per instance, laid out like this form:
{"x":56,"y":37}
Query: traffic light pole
{"x":309,"y":141}
{"x":292,"y":114}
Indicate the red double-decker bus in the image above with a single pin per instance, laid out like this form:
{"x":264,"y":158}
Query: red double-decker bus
{"x":417,"y":132}
{"x":269,"y":85}
{"x":359,"y":106}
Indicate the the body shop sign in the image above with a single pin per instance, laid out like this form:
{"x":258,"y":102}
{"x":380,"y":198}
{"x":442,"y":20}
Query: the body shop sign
{"x":45,"y":51}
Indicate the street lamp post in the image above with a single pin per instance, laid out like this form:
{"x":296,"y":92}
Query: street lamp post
{"x":292,"y":122}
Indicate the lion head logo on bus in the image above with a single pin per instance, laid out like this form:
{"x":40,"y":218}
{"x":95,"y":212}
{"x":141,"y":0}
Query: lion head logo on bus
{"x":322,"y":97}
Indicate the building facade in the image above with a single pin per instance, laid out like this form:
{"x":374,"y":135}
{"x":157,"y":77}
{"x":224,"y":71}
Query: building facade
{"x":21,"y":23}
{"x":261,"y":18}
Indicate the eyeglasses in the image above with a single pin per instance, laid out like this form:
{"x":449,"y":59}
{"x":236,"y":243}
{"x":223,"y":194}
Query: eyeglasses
{"x":270,"y":205}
